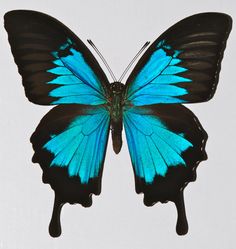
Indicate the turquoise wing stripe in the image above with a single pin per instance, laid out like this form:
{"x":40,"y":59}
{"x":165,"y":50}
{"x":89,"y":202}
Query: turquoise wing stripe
{"x":156,"y":64}
{"x":81,"y":146}
{"x":66,"y":80}
{"x":158,"y":80}
{"x":153,"y":147}
{"x":64,"y":91}
{"x":77,"y":83}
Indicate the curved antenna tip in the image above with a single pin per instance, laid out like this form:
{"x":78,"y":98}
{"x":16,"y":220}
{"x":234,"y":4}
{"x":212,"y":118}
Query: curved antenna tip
{"x":102,"y":58}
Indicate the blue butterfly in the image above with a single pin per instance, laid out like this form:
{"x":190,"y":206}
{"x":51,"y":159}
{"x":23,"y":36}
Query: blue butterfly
{"x":166,"y":141}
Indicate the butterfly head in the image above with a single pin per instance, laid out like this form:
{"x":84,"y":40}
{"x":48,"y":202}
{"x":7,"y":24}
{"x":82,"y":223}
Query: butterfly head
{"x":116,"y":88}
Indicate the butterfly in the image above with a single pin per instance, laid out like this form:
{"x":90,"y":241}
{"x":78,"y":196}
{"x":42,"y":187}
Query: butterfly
{"x":165,"y":139}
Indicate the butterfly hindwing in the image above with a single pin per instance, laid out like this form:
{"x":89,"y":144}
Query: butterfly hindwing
{"x":183,"y":64}
{"x":166,"y":143}
{"x":56,"y":66}
{"x":71,"y":140}
{"x":70,"y":144}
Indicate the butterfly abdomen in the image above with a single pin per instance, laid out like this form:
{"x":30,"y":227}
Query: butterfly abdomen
{"x":116,"y":133}
{"x":116,"y":109}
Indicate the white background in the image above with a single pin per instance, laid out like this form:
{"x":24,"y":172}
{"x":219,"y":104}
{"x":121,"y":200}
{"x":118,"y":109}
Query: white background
{"x":118,"y":219}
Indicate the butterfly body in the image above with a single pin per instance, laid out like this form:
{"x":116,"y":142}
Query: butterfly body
{"x":115,"y":106}
{"x":165,"y":139}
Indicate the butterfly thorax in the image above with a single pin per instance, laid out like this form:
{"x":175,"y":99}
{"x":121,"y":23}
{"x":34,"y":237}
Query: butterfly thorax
{"x":115,"y":105}
{"x":116,"y":101}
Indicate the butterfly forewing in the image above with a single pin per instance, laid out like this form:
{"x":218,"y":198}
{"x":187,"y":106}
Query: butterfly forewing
{"x":56,"y":66}
{"x":183,"y":64}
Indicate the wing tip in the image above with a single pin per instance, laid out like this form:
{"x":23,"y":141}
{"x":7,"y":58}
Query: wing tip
{"x":14,"y":13}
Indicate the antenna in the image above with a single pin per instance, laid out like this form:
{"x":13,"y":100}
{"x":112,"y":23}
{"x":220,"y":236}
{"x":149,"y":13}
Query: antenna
{"x":133,"y":60}
{"x":102,"y":58}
